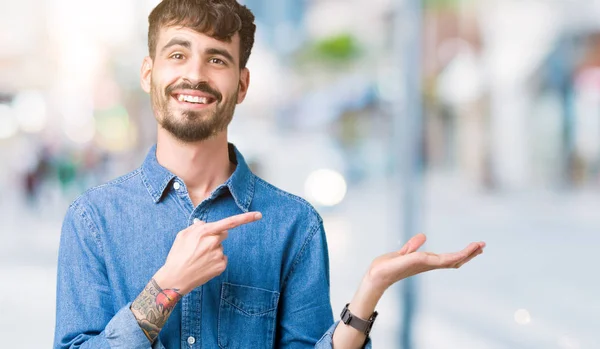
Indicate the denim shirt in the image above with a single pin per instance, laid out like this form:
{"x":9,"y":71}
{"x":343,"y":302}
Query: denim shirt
{"x":274,"y":292}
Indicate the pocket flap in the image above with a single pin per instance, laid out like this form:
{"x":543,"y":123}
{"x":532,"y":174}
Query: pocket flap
{"x":250,"y":300}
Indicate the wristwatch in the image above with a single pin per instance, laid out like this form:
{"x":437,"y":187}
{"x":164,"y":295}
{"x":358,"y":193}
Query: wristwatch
{"x":361,"y":325}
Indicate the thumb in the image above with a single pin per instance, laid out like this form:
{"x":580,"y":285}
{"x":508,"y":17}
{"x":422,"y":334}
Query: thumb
{"x":404,"y":249}
{"x":413,"y":244}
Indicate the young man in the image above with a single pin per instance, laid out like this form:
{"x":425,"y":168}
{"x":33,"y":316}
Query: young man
{"x":192,"y":250}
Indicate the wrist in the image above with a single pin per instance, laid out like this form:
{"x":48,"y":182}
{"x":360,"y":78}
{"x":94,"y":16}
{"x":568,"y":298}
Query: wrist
{"x":373,"y":286}
{"x":366,"y":298}
{"x":167,"y":280}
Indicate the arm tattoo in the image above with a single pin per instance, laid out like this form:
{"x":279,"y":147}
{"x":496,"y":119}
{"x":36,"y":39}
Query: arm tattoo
{"x":153,"y":307}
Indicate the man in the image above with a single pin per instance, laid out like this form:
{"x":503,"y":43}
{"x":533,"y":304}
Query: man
{"x":192,"y":250}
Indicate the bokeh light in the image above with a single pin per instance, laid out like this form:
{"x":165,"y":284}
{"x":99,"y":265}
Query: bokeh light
{"x":30,"y":110}
{"x":522,"y":317}
{"x":325,"y":187}
{"x":8,"y":123}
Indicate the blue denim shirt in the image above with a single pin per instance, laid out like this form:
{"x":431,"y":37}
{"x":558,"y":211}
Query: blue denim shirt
{"x":273,"y":293}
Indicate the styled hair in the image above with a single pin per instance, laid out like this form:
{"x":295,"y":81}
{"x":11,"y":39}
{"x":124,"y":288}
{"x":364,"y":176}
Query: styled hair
{"x":219,"y":19}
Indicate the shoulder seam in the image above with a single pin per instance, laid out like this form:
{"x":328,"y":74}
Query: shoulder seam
{"x":84,"y":215}
{"x":289,"y":195}
{"x":78,"y":205}
{"x":115,"y":181}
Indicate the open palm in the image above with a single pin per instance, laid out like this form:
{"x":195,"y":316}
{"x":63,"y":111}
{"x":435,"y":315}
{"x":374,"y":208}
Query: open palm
{"x":395,"y":266}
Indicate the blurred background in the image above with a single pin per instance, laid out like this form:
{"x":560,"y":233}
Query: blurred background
{"x":467,"y":120}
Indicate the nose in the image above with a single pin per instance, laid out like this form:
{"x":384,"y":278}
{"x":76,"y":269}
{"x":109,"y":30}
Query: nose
{"x":196,"y":71}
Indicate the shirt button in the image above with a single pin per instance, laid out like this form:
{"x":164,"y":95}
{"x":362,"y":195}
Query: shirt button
{"x":176,"y":185}
{"x":191,"y":340}
{"x":196,"y":220}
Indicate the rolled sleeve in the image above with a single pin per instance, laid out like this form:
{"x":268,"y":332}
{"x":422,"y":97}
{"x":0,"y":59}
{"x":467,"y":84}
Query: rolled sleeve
{"x":123,"y":332}
{"x":326,"y":342}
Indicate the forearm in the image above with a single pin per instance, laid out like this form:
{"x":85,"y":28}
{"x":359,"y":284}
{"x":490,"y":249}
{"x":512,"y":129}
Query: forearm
{"x":362,"y":305}
{"x":153,"y":307}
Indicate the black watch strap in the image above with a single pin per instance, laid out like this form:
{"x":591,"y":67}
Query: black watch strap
{"x":361,"y":325}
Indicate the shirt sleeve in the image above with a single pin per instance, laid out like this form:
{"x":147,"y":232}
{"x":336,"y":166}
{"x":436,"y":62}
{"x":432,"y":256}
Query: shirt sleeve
{"x":84,"y":310}
{"x":306,"y":317}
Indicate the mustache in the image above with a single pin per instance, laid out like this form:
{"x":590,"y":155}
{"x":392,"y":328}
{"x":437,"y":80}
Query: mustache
{"x":201,"y":86}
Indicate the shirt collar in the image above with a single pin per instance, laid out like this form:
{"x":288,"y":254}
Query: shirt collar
{"x":157,"y":178}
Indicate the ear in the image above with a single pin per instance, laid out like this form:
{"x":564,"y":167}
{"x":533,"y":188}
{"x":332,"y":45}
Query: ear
{"x":243,"y":85}
{"x":146,"y":74}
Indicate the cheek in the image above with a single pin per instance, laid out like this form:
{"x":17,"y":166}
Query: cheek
{"x":225,"y":79}
{"x":165,"y":76}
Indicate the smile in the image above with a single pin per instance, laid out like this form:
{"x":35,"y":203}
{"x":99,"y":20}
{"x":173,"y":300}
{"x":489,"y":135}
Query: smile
{"x":193,"y":100}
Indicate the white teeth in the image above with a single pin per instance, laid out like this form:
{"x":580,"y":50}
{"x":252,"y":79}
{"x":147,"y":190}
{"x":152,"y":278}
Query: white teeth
{"x":192,"y":99}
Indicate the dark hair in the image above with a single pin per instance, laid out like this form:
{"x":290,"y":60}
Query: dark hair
{"x":220,"y":19}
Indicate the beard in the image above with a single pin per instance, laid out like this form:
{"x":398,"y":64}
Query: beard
{"x":194,"y":125}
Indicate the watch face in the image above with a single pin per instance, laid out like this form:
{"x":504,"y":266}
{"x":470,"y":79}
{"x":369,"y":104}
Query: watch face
{"x":346,"y":317}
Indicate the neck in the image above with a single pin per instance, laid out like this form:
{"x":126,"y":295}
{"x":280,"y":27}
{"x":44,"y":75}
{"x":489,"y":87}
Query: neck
{"x":202,"y":166}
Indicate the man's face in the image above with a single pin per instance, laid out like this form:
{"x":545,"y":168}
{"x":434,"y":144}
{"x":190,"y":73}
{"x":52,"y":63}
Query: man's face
{"x":194,"y":83}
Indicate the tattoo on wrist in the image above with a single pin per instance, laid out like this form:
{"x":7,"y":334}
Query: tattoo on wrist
{"x":153,"y":307}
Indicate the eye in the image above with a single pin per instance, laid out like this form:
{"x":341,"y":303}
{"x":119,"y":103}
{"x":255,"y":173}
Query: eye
{"x":177,"y":56}
{"x":217,"y":61}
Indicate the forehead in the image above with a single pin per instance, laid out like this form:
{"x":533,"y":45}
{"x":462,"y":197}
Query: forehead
{"x":199,"y":41}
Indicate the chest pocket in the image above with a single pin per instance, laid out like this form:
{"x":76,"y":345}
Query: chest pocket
{"x":247,"y":317}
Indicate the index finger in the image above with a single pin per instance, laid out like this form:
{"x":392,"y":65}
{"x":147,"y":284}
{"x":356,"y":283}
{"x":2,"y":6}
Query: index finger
{"x":233,"y":221}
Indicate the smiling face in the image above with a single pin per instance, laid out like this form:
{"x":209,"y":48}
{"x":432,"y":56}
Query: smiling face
{"x":195,"y":82}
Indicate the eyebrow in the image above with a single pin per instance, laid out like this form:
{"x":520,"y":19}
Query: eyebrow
{"x":175,"y":42}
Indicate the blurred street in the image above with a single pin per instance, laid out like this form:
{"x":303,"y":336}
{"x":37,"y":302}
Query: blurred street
{"x":473,"y":307}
